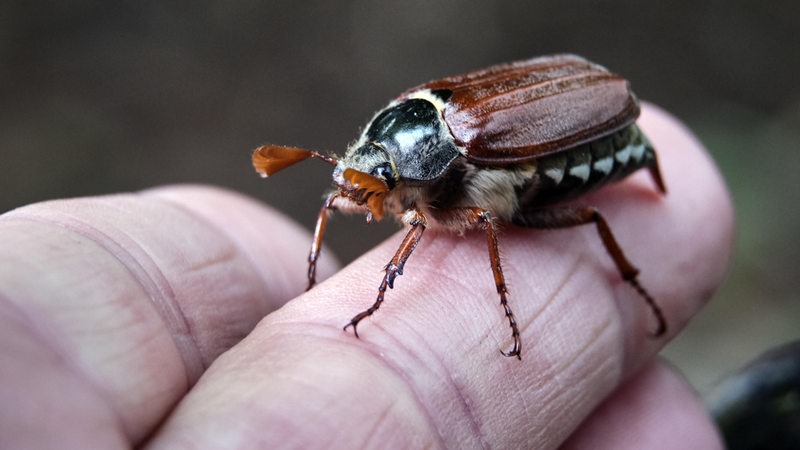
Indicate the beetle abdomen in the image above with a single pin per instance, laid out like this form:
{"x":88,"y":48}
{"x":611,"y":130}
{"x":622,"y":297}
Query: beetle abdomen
{"x":569,"y":174}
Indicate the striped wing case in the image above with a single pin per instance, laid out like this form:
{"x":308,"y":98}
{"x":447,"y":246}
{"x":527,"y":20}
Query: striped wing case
{"x":516,"y":112}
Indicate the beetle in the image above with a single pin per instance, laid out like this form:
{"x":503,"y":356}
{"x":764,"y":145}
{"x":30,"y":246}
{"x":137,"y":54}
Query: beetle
{"x":508,"y":144}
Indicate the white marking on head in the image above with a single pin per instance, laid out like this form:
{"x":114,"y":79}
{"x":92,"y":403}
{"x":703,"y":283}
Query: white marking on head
{"x":407,"y":138}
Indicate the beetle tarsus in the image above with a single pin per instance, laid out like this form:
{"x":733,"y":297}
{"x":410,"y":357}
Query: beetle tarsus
{"x":391,"y":271}
{"x":661,"y":328}
{"x":517,"y":348}
{"x":354,"y":323}
{"x":515,"y":351}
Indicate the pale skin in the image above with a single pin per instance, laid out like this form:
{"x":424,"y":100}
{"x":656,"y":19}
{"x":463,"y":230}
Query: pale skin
{"x":135,"y":320}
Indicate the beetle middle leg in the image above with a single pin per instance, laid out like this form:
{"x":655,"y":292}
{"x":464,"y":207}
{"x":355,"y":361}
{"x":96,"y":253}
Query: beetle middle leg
{"x":469,"y":217}
{"x":484,"y":218}
{"x":564,"y":217}
{"x":394,"y":267}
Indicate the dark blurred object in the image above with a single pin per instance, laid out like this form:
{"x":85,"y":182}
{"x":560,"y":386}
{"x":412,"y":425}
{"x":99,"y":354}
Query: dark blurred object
{"x":759,"y":407}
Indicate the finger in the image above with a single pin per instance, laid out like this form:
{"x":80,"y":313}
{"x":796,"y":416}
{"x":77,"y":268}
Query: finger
{"x":427,"y":371}
{"x":657,"y":409}
{"x":119,"y":303}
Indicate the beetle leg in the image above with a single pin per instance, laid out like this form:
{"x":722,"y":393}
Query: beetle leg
{"x":655,"y":174}
{"x":470,"y":217}
{"x":570,"y":217}
{"x":480,"y":216}
{"x":394,"y":267}
{"x":316,"y":243}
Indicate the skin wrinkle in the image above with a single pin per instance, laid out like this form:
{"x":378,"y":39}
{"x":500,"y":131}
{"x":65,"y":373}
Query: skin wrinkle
{"x":394,"y":366}
{"x":469,"y":413}
{"x":602,"y":329}
{"x":74,"y":225}
{"x":579,"y":358}
{"x":554,"y":372}
{"x":581,"y":260}
{"x":448,"y":278}
{"x":42,"y":333}
{"x":266,"y":281}
{"x":148,"y":276}
{"x":558,"y":378}
{"x":444,"y":282}
{"x":383,"y":417}
{"x":374,"y":352}
{"x":399,"y":372}
{"x":35,"y":330}
{"x":472,"y":418}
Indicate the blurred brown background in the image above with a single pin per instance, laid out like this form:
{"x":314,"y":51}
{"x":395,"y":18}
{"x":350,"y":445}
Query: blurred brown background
{"x":99,"y":97}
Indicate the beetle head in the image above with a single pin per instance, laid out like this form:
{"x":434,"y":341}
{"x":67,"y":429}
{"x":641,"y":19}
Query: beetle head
{"x":365,"y":175}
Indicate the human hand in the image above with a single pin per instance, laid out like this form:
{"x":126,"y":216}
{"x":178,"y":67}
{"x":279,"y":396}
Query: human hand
{"x":129,"y":320}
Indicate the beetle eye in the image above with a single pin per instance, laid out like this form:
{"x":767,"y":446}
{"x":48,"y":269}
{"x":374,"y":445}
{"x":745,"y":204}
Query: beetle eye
{"x":384,"y":172}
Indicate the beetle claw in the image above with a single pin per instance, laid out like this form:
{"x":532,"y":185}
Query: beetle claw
{"x":353,"y":323}
{"x":514,"y":352}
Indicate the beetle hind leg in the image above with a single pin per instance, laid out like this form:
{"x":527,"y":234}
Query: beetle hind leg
{"x":564,"y":217}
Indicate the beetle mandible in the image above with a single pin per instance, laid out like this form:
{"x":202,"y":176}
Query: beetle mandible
{"x":505,"y":144}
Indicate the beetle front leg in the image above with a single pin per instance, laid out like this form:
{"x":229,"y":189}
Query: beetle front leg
{"x":316,"y":243}
{"x":394,"y":267}
{"x":569,"y":217}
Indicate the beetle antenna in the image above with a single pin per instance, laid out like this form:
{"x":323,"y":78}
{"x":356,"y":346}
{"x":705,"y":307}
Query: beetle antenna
{"x":269,"y":159}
